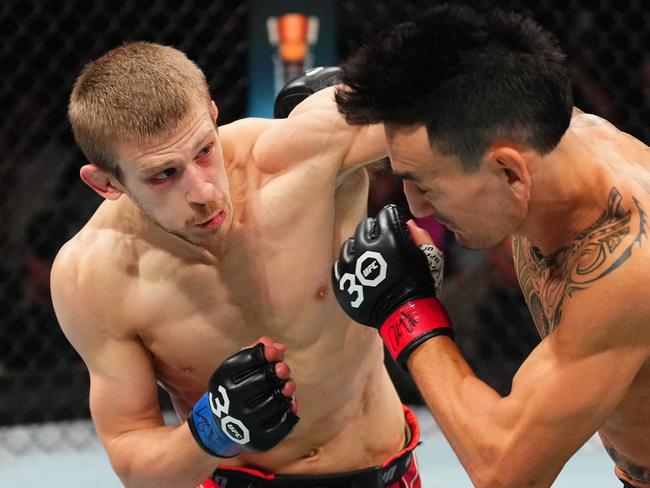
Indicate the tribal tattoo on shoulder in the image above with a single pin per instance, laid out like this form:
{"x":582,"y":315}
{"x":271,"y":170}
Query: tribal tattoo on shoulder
{"x":547,"y":282}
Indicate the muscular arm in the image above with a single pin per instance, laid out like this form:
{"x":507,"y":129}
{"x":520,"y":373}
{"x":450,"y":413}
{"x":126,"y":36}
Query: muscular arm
{"x":314,"y":132}
{"x":561,"y":395}
{"x":123,"y":396}
{"x":124,"y":406}
{"x":363,"y":143}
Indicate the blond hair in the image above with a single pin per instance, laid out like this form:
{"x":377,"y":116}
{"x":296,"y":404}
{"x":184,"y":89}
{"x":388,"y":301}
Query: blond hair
{"x":134,"y":92}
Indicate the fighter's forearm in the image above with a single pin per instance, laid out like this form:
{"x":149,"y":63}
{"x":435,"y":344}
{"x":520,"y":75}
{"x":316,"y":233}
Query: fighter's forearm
{"x":160,"y":456}
{"x":470,"y":413}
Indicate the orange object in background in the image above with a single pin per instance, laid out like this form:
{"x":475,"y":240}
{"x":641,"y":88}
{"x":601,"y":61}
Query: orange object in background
{"x":292,"y":34}
{"x":293,"y":30}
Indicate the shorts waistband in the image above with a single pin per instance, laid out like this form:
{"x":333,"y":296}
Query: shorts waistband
{"x":388,"y":473}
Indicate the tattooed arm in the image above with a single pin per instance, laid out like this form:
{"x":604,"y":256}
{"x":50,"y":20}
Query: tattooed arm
{"x":570,"y":384}
{"x":561,"y":395}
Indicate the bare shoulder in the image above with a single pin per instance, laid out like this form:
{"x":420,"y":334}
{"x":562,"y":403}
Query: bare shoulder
{"x":608,"y":308}
{"x":316,"y":132}
{"x":314,"y":144}
{"x":581,"y":120}
{"x":263,"y":147}
{"x":608,"y":139}
{"x":91,"y":276}
{"x":276,"y":145}
{"x":238,"y":138}
{"x":597,"y":279}
{"x":594,"y":128}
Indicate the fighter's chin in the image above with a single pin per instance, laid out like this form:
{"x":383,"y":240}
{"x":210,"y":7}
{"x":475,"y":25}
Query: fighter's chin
{"x":210,"y":238}
{"x":473,"y":242}
{"x":201,"y":237}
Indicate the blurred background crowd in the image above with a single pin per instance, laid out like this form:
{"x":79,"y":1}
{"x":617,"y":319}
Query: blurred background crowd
{"x":43,"y":202}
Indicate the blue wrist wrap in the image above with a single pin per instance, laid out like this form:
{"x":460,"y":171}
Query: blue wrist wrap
{"x":206,"y":430}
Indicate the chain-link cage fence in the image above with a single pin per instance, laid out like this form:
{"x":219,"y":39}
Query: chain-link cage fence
{"x":607,"y":45}
{"x":45,"y":45}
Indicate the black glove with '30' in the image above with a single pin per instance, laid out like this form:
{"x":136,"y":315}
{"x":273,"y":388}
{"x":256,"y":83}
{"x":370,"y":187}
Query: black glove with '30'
{"x":383,"y":280}
{"x":244,"y":408}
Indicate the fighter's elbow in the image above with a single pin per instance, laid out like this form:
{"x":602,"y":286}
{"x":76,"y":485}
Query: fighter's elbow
{"x":498,"y":467}
{"x":488,"y":481}
{"x":485,"y":477}
{"x":122,"y":465}
{"x":132,"y":477}
{"x":501,"y":477}
{"x":124,"y":472}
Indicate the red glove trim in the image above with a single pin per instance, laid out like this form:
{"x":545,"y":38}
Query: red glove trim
{"x":413,"y":319}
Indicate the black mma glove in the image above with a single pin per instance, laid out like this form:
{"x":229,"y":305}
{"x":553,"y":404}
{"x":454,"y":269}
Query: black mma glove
{"x":382,"y":279}
{"x":296,"y":90}
{"x":243,"y":408}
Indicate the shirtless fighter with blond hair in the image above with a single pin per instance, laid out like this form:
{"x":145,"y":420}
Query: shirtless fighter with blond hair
{"x":208,"y":239}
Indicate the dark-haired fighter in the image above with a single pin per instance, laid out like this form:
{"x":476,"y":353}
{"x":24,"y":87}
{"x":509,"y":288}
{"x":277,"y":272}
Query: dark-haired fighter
{"x":479,"y":124}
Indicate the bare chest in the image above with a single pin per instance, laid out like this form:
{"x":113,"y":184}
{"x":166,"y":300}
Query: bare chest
{"x":204,"y":314}
{"x":273,"y":280}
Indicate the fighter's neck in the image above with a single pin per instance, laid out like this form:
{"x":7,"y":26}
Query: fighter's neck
{"x":570,"y":190}
{"x":133,"y":221}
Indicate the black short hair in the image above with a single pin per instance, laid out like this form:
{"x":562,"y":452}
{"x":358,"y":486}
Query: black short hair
{"x":470,"y":78}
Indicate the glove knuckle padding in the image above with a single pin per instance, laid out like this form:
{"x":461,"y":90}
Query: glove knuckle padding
{"x":275,"y":421}
{"x":347,"y":251}
{"x":275,"y":407}
{"x":363,"y":234}
{"x":237,"y":367}
{"x":269,"y":405}
{"x":278,"y":426}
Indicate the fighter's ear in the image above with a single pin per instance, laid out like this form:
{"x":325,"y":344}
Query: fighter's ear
{"x":511,"y":164}
{"x":214,"y":111}
{"x":101,"y":181}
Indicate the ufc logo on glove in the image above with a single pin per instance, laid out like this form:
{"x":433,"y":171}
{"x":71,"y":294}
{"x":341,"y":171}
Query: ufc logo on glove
{"x":370,"y":270}
{"x":232,"y":427}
